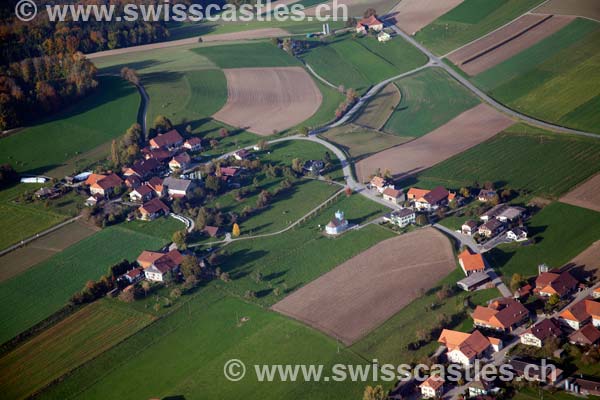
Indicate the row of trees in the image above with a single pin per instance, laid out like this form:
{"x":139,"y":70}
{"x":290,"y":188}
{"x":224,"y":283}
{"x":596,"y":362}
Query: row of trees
{"x":36,"y":86}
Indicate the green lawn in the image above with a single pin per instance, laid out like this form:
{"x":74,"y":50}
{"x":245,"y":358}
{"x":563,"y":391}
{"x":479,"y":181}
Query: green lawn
{"x":161,"y":228}
{"x":470,"y":20}
{"x":388,"y":342}
{"x":190,"y":347}
{"x":292,"y":259}
{"x":429,"y":99}
{"x":188,"y":97}
{"x":247,"y":55}
{"x":43,"y":289}
{"x":79,"y":128}
{"x":65,"y":346}
{"x":556,"y":80}
{"x":523,"y":158}
{"x":560,"y":232}
{"x":362,"y":62}
{"x":31,"y":217}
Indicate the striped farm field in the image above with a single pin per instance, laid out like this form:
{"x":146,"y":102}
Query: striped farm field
{"x":67,"y":345}
{"x":43,"y":289}
{"x":556,"y":80}
{"x":470,"y":20}
{"x":523,"y":158}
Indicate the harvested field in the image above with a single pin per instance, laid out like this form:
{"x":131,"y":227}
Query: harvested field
{"x":586,"y":195}
{"x":507,"y":42}
{"x":359,"y":295}
{"x":587,"y":262}
{"x":582,"y":8}
{"x":413,"y":15}
{"x":472,"y":127}
{"x":246,"y":35}
{"x":19,"y":260}
{"x":378,"y":110}
{"x":269,"y":100}
{"x":355,"y":7}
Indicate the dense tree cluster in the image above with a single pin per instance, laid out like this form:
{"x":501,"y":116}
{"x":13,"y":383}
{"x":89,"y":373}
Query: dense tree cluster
{"x":35,"y":86}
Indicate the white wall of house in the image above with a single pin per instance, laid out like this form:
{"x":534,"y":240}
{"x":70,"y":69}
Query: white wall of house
{"x":530,"y":340}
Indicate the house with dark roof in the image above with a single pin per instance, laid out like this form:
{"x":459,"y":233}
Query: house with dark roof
{"x":503,"y":314}
{"x":555,"y":282}
{"x":540,"y":332}
{"x":141,"y":193}
{"x":517,"y":234}
{"x":469,"y":227}
{"x":432,"y":200}
{"x":535,"y":371}
{"x":582,"y":312}
{"x":432,"y":387}
{"x":106,"y":185}
{"x":162,"y":267}
{"x":156,"y":184}
{"x":153,"y":209}
{"x":180,"y":161}
{"x":402,"y":218}
{"x":583,"y":385}
{"x":491,"y":228}
{"x":170,"y":140}
{"x":193,"y":144}
{"x":588,"y":335}
{"x":142,"y":168}
{"x":464,"y":348}
{"x":241,"y":154}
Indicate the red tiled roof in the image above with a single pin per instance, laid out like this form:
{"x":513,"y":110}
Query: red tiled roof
{"x":370,"y":21}
{"x":167,"y":139}
{"x":108,"y":182}
{"x":212,"y":231}
{"x":153,"y":206}
{"x":436,"y":195}
{"x":587,"y":335}
{"x":394,"y":193}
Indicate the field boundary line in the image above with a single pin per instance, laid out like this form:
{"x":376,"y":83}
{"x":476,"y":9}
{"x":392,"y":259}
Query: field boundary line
{"x":495,"y":30}
{"x":38,"y":235}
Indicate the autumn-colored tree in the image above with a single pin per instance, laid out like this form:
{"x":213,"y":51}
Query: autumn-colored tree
{"x":162,"y":123}
{"x":235,"y":231}
{"x":131,"y":75}
{"x":180,"y":239}
{"x":348,"y":191}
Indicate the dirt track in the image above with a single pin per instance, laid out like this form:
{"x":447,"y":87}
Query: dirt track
{"x":586,"y":195}
{"x":359,"y":295}
{"x":507,"y":42}
{"x":264,"y":100}
{"x":250,"y":34}
{"x":413,"y":15}
{"x":470,"y":128}
{"x":246,"y":35}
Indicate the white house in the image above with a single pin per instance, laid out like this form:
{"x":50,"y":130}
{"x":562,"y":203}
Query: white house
{"x":517,"y":234}
{"x":337,"y":225}
{"x":540,"y":332}
{"x":403,"y":217}
{"x":433,"y":387}
{"x":384,"y":37}
{"x":141,"y":193}
{"x":465,"y":348}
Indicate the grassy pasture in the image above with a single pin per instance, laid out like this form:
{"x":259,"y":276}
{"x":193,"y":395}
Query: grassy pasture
{"x":360,"y":142}
{"x":79,"y":128}
{"x":43,"y":289}
{"x":429,"y":99}
{"x":560,"y":232}
{"x":247,"y":55}
{"x":67,"y":345}
{"x":555,"y":80}
{"x":161,"y":228}
{"x":41,"y":249}
{"x":524,"y":158}
{"x":388,"y":342}
{"x":361,"y":62}
{"x":376,"y":112}
{"x":298,"y":256}
{"x":191,"y":346}
{"x":470,"y":20}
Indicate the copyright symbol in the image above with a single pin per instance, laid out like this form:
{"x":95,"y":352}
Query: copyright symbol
{"x":26,"y":10}
{"x":234,"y":370}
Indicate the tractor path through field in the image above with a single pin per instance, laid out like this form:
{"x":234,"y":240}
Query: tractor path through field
{"x":38,"y":235}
